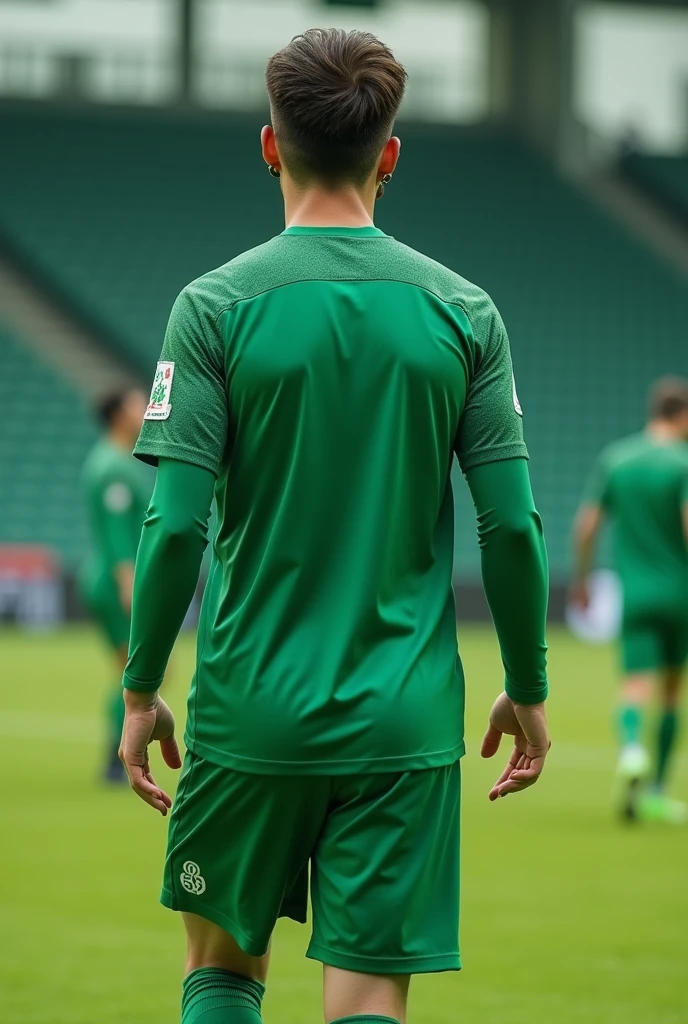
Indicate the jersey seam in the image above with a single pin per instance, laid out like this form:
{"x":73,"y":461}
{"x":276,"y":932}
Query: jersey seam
{"x":456,"y":752}
{"x":149,"y":448}
{"x":483,"y":454}
{"x":346,"y":280}
{"x":206,"y":632}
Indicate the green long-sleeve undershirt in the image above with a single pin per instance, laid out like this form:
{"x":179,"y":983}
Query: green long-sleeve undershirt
{"x":515,"y":573}
{"x":175,"y":533}
{"x":514,"y":566}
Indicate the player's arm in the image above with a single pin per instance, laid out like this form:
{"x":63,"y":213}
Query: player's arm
{"x":118,"y":501}
{"x":174,"y":536}
{"x":585,"y":532}
{"x":586,"y":529}
{"x":516,"y":583}
{"x":493,"y":456}
{"x":173,"y":539}
{"x":185,"y":434}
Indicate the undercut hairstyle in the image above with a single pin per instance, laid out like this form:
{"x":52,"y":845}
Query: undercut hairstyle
{"x":334,"y":97}
{"x":108,"y":405}
{"x":668,"y":398}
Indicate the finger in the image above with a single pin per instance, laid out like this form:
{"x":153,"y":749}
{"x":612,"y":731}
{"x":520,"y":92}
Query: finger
{"x":531,"y":773}
{"x":516,"y":783}
{"x":504,"y":777}
{"x":513,"y":764}
{"x":163,"y":795}
{"x":491,"y":741}
{"x":145,"y":787}
{"x":169,"y":748}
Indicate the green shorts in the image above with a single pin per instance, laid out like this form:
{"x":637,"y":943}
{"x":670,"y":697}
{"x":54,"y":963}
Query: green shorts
{"x":99,"y":593}
{"x":383,"y":852}
{"x":654,"y":640}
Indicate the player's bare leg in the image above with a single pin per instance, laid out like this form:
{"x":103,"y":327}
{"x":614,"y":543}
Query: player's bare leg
{"x":350,"y":994}
{"x":657,"y":806}
{"x":222,"y":983}
{"x":634,"y":760}
{"x":207,"y":945}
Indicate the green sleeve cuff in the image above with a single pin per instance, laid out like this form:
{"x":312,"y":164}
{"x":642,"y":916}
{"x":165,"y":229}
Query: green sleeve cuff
{"x":151,"y":452}
{"x":521,"y":696}
{"x":140,"y":685}
{"x":497,"y":453}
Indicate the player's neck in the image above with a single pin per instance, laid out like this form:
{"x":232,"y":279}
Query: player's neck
{"x":121,"y":439}
{"x":662,"y":431}
{"x":321,"y":208}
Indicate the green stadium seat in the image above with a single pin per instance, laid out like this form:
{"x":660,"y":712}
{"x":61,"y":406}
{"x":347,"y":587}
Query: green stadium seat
{"x":46,"y":431}
{"x":665,"y":178}
{"x":132,"y":206}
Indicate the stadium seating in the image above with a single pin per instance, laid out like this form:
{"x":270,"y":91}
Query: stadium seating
{"x":117,"y":211}
{"x":45,"y":432}
{"x":665,"y":178}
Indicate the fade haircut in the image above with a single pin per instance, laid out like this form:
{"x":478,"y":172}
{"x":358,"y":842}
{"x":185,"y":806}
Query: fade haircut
{"x":334,"y":97}
{"x":668,"y":398}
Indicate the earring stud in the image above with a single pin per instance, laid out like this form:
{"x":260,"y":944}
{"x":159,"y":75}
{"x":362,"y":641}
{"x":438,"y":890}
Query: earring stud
{"x":384,"y":180}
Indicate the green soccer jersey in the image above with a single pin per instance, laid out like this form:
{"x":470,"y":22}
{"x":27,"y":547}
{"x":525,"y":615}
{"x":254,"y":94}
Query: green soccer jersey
{"x":643,"y":484}
{"x":116,"y":498}
{"x":326,"y":378}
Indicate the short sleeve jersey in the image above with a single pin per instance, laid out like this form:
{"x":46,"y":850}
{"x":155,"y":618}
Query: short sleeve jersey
{"x":326,"y":378}
{"x":116,"y":498}
{"x":643,"y":485}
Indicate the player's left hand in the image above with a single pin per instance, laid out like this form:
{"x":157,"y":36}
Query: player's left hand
{"x":147,"y":718}
{"x":527,"y":723}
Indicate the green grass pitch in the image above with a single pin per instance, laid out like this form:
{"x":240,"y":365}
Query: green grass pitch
{"x":567,"y":915}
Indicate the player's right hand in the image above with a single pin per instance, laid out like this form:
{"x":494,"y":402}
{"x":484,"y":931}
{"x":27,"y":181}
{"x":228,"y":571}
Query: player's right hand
{"x":527,"y":723}
{"x":147,"y":718}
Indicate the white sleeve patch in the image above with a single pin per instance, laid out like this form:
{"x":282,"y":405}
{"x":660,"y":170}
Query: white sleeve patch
{"x":117,"y":498}
{"x":159,"y":406}
{"x":517,"y":404}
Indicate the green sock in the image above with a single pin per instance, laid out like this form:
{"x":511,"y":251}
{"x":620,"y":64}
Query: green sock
{"x":630,"y":722}
{"x":666,"y":738}
{"x":213,"y":996}
{"x":115,"y":715}
{"x":365,"y":1018}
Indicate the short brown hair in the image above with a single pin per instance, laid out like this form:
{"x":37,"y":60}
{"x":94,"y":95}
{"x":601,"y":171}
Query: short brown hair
{"x":668,"y":398}
{"x":334,"y":97}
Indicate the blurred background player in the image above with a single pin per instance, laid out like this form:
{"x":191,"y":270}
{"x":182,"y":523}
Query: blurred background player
{"x":641,"y":483}
{"x":116,"y":497}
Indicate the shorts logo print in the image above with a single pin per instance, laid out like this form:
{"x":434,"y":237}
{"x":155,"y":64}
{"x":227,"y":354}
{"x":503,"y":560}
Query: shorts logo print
{"x":192,"y":879}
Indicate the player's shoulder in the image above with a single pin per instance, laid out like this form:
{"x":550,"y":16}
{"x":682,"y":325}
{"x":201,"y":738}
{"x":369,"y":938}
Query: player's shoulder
{"x":448,"y":285}
{"x":625,"y":449}
{"x":679,"y":455}
{"x":218,"y":289}
{"x":106,"y":462}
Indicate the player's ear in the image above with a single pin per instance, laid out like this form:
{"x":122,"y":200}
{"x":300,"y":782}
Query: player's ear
{"x":390,"y":157}
{"x":269,"y":147}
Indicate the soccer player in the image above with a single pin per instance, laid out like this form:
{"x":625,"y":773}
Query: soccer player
{"x":318,"y":386}
{"x":641,"y":483}
{"x":116,"y":498}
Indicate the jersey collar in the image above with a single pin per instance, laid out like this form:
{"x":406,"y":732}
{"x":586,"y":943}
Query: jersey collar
{"x":365,"y":232}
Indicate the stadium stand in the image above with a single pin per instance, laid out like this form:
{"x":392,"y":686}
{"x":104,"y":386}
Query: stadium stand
{"x":583,"y":298}
{"x":664,"y":178}
{"x":45,"y":432}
